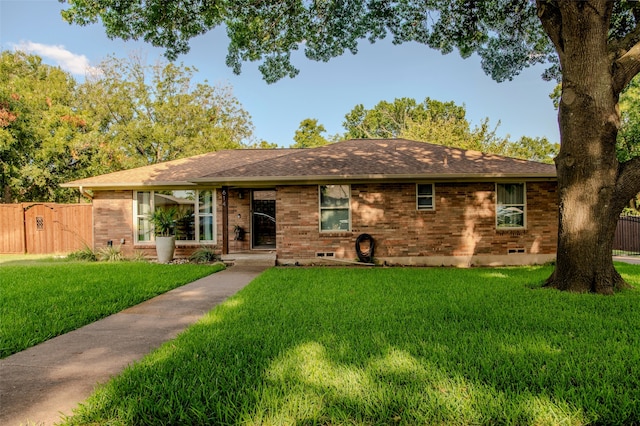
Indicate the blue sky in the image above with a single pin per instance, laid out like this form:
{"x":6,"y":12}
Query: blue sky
{"x":323,"y":91}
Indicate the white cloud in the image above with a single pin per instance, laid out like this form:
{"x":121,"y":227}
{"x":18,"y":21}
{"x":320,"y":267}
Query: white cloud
{"x":68,"y":61}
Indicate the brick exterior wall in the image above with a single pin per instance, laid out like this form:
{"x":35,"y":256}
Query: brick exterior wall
{"x":239,"y":214}
{"x":113,"y":219}
{"x":461,"y":230}
{"x":462,"y":224}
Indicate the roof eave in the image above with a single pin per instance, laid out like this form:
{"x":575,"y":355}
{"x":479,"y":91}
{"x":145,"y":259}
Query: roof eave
{"x":292,"y":180}
{"x":125,"y":185}
{"x":261,"y":181}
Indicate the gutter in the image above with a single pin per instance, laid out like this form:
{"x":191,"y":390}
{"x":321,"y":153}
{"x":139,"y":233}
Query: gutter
{"x":85,"y":193}
{"x":265,"y":181}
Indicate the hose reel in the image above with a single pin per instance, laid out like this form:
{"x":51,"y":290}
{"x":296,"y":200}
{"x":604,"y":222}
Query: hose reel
{"x":366,"y":255}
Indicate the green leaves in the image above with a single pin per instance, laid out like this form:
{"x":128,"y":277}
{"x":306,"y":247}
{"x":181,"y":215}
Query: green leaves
{"x":309,"y":134}
{"x":442,"y":123}
{"x":53,"y":130}
{"x":506,"y":34}
{"x":40,"y":130}
{"x":147,"y":114}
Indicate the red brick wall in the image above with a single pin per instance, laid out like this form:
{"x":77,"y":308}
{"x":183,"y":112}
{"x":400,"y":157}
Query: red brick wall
{"x":237,"y":206}
{"x":113,"y":219}
{"x":462,"y":224}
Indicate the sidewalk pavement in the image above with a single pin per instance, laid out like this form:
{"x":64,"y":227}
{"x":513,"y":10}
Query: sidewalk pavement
{"x":627,"y":259}
{"x":40,"y":384}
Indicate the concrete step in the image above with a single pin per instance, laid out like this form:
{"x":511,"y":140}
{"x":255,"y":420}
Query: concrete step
{"x":250,"y":259}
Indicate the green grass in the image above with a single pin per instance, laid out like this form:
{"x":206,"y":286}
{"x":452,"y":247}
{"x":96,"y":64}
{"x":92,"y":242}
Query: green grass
{"x":387,"y":346}
{"x":41,"y":299}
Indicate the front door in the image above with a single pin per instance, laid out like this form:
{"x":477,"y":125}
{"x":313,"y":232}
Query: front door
{"x":263,"y":219}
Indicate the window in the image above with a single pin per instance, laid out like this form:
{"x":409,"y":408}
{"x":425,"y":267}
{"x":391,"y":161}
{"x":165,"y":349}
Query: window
{"x":335,"y":212}
{"x":425,"y":196}
{"x":195,"y":221}
{"x":510,"y":205}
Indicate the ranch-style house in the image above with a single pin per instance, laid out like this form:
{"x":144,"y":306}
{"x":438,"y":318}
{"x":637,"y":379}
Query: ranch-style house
{"x":422,"y":204}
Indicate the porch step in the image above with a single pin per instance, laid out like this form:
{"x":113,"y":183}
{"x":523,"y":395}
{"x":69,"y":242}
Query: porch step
{"x":250,"y":259}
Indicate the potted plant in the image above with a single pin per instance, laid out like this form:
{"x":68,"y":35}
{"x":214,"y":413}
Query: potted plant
{"x":163,"y":221}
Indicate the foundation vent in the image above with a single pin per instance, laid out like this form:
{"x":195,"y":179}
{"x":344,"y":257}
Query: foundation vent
{"x":516,"y":251}
{"x":325,"y":254}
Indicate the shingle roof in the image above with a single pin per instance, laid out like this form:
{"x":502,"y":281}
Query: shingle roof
{"x":356,"y":159}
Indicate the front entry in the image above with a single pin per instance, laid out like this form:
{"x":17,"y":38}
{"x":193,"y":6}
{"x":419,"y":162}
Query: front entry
{"x":263,"y":219}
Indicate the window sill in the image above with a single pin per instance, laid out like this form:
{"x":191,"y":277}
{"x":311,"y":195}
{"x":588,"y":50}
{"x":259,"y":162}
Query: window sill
{"x":151,"y":244}
{"x":512,"y":231}
{"x":333,"y":234}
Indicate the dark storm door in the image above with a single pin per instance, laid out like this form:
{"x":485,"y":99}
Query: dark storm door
{"x":263,"y":222}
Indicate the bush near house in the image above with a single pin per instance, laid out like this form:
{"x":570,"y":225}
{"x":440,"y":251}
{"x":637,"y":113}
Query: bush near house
{"x":388,"y":346}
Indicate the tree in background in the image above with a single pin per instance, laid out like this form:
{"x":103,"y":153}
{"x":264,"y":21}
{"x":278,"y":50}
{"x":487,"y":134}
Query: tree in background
{"x":41,"y":131}
{"x":53,"y":130}
{"x":441,"y":123}
{"x":309,"y":134}
{"x":595,"y":44}
{"x":263,"y":144}
{"x":629,"y":135}
{"x":141,"y":114}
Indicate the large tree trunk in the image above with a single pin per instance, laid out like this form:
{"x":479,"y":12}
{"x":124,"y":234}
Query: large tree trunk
{"x":587,"y":166}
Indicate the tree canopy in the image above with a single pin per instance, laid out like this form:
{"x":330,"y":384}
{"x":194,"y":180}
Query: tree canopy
{"x":41,"y":133}
{"x":507,"y":35}
{"x":53,"y":129}
{"x":629,"y":135}
{"x":143,"y":114}
{"x":309,"y":134}
{"x":442,"y":123}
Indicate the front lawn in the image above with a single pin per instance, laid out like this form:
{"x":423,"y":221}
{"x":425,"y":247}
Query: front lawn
{"x":392,"y":346}
{"x":43,"y":299}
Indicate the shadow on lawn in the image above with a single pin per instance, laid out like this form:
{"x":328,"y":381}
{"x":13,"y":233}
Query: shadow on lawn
{"x":294,"y":350}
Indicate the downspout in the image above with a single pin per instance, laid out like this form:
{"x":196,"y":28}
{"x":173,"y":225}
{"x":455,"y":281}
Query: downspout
{"x":85,"y":193}
{"x":225,"y":220}
{"x":88,"y":195}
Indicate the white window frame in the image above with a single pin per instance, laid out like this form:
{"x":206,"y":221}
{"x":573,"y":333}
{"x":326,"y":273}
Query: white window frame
{"x":522,"y":205}
{"x":197,"y":216}
{"x":321,"y":209}
{"x":432,"y":197}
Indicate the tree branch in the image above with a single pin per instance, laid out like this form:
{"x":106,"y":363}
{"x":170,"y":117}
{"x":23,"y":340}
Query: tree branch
{"x":627,"y":66}
{"x":628,"y":183}
{"x":549,"y":15}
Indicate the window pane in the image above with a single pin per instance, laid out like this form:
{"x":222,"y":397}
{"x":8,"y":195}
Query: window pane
{"x":335,"y":220}
{"x":334,"y":196}
{"x":144,"y":229}
{"x":144,"y":203}
{"x":206,"y":228}
{"x":425,"y":203}
{"x":510,"y":217}
{"x":512,"y":193}
{"x":425,"y":189}
{"x":184,"y":202}
{"x":206,"y":202}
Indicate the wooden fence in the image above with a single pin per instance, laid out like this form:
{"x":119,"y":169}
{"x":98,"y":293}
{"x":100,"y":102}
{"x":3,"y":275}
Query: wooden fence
{"x":45,"y":227}
{"x":627,"y":240}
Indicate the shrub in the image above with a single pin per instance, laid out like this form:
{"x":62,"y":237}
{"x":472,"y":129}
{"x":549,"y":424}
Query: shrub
{"x":84,"y":254}
{"x":204,"y":255}
{"x":110,"y":254}
{"x":138,"y":256}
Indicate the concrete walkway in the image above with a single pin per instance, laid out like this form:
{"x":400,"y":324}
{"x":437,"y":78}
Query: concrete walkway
{"x":40,"y":384}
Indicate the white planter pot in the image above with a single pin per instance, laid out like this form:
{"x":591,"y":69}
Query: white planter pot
{"x":165,"y":247}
